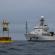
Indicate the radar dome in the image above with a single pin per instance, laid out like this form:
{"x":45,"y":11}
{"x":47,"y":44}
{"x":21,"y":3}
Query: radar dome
{"x":42,"y":16}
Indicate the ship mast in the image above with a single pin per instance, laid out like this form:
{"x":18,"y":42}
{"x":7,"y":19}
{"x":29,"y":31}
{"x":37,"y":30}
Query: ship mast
{"x":5,"y":24}
{"x":26,"y":27}
{"x":42,"y":21}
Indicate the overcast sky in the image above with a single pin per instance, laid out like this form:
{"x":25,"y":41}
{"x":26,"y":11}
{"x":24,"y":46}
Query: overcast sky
{"x":20,"y":5}
{"x":17,"y":10}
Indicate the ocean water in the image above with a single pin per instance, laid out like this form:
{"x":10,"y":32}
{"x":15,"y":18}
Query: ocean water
{"x":27,"y":48}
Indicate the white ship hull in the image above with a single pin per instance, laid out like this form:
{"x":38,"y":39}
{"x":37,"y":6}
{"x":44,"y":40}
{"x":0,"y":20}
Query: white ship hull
{"x":40,"y":38}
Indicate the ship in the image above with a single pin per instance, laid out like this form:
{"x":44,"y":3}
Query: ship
{"x":40,"y":32}
{"x":5,"y":29}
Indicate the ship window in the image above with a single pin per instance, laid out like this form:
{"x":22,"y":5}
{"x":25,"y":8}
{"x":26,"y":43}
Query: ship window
{"x":45,"y":25}
{"x":38,"y":30}
{"x":46,"y":34}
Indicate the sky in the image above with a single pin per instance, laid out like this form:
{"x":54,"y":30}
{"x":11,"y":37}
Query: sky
{"x":17,"y":12}
{"x":26,"y":5}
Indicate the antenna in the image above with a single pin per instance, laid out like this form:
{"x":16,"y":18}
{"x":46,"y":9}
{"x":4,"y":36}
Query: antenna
{"x":26,"y":27}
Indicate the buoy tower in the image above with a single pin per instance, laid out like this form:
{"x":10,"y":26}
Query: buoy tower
{"x":5,"y":25}
{"x":5,"y":28}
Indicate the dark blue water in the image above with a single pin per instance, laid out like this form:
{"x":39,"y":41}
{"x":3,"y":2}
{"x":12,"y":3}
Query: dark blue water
{"x":28,"y":48}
